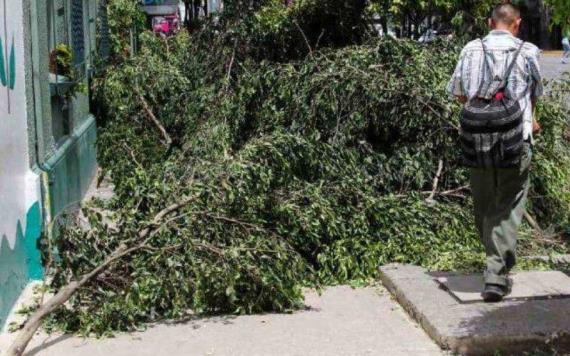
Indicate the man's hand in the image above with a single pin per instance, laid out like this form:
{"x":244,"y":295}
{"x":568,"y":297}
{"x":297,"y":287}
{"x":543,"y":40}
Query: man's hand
{"x":462,"y":99}
{"x":536,"y":127}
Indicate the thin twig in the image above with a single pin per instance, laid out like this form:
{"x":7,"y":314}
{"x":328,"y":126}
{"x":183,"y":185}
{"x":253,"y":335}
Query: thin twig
{"x":154,"y":120}
{"x":305,"y":38}
{"x":131,"y":154}
{"x":245,"y":225}
{"x":319,"y":39}
{"x":234,"y":221}
{"x":231,"y":64}
{"x":453,"y":191}
{"x":532,"y":222}
{"x":435,"y":181}
{"x":35,"y":320}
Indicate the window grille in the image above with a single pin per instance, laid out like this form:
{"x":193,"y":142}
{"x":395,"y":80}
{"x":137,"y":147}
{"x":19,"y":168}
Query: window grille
{"x":77,"y":32}
{"x":103,"y":45}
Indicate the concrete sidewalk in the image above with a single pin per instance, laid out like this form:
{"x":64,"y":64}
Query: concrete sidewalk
{"x":343,"y":321}
{"x":551,"y":67}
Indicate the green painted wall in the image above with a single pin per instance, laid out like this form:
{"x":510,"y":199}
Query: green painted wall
{"x":22,"y":264}
{"x":69,"y":159}
{"x":72,"y":168}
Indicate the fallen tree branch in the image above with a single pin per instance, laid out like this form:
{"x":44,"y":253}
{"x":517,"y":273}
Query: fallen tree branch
{"x":35,"y":320}
{"x":231,"y":65}
{"x":454,"y":191}
{"x":532,"y":222}
{"x":435,"y":181}
{"x":155,"y":121}
{"x":132,"y":154}
{"x":446,"y":193}
{"x":305,"y":38}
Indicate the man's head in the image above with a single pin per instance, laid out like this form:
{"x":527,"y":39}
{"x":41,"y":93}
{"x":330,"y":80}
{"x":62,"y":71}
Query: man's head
{"x":506,"y":17}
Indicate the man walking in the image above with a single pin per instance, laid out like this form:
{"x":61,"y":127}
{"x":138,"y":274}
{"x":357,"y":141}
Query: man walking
{"x":497,"y":68}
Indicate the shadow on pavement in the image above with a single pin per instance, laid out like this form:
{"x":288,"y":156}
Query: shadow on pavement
{"x":512,"y":328}
{"x":47,"y":343}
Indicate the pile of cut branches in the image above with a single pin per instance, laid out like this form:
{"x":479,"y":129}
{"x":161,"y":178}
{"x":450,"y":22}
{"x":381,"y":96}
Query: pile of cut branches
{"x":295,"y":172}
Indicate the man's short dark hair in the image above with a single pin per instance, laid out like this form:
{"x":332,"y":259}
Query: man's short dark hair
{"x":506,"y":13}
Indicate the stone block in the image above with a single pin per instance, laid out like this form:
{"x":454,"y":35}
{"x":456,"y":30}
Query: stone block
{"x":478,"y":328}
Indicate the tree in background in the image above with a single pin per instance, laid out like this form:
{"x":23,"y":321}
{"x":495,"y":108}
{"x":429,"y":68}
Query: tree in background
{"x":412,"y":15}
{"x":560,"y":13}
{"x":125,"y":19}
{"x":188,"y":13}
{"x":409,"y":18}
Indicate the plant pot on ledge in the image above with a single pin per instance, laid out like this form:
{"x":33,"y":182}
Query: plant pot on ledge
{"x":61,"y":85}
{"x":63,"y":77}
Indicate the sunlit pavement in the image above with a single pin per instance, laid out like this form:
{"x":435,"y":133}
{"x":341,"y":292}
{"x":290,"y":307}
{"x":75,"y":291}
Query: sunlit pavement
{"x":551,"y":66}
{"x":341,"y":321}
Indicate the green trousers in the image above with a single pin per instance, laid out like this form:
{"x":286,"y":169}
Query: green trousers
{"x":499,"y":197}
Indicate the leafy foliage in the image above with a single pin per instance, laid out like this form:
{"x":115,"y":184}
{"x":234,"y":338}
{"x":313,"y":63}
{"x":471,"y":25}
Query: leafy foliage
{"x":281,"y":32}
{"x":125,"y":18}
{"x":301,"y":172}
{"x":560,"y":14}
{"x":467,"y":17}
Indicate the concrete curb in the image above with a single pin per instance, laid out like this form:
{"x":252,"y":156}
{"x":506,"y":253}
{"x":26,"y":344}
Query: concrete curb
{"x":478,"y":329}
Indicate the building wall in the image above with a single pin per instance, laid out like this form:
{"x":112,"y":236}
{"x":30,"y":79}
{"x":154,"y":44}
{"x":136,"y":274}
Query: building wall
{"x":70,"y":157}
{"x":20,"y":221}
{"x":43,"y":173}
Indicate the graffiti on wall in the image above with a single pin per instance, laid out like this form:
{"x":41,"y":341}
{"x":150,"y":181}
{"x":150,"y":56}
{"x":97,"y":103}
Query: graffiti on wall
{"x":7,"y":60}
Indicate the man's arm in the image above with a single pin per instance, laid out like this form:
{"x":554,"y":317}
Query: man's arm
{"x":535,"y":125}
{"x":537,"y":89}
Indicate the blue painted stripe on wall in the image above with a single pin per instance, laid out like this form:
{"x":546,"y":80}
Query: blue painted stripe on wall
{"x":22,"y":264}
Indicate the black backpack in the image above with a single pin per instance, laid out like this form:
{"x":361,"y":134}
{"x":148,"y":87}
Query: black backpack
{"x":492,"y":129}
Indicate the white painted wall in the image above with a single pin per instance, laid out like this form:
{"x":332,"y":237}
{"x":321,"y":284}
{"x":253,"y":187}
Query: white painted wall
{"x":19,"y":186}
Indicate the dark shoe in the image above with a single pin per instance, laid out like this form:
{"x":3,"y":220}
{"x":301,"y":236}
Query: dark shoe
{"x":494,"y":293}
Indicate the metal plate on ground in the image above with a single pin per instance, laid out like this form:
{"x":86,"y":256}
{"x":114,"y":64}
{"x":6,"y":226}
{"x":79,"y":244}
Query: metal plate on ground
{"x":526,"y":285}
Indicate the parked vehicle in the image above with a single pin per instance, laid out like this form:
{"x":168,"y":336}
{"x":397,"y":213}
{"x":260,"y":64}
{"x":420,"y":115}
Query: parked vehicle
{"x":164,"y":16}
{"x":166,"y":25}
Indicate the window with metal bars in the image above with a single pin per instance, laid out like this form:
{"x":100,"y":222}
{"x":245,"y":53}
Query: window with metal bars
{"x":103,"y":44}
{"x":77,"y":32}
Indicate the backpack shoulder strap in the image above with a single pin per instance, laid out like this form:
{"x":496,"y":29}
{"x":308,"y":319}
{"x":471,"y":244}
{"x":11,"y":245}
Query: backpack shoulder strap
{"x":485,"y":64}
{"x":512,"y":65}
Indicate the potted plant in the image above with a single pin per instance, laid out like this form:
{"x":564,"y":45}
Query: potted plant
{"x":64,"y":78}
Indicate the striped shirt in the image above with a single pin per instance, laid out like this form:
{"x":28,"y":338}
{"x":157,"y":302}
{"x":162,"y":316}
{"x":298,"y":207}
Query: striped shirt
{"x":473,"y":79}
